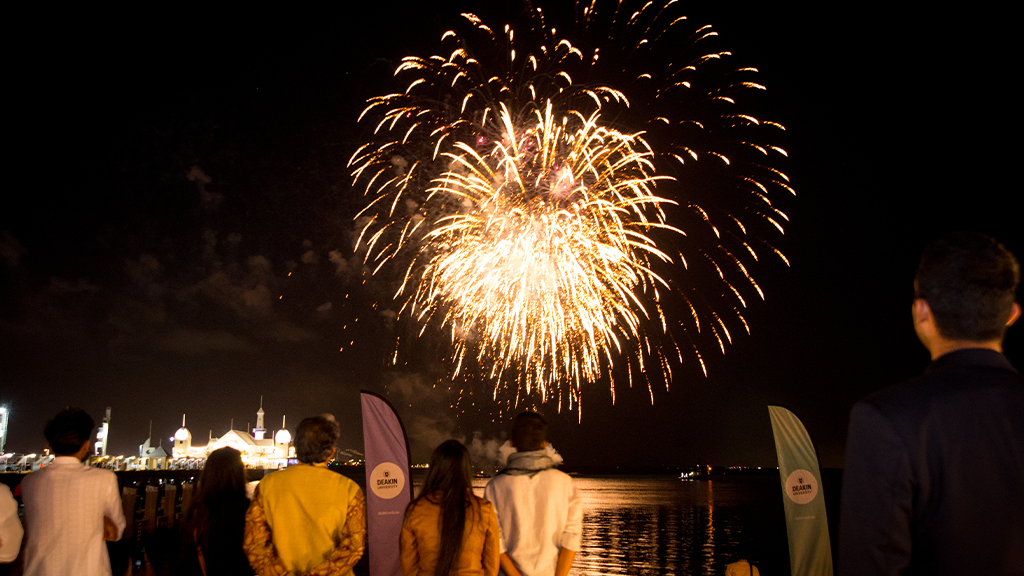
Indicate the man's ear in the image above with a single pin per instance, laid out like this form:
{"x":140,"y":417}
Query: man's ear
{"x":1014,"y":314}
{"x":924,"y":323}
{"x":83,"y":452}
{"x":922,"y":312}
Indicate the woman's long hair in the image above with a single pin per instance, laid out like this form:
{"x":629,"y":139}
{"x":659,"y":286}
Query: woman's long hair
{"x":216,"y":517}
{"x":450,"y":475}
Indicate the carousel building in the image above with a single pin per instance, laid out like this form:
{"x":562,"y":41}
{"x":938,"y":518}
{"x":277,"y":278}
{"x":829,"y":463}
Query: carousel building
{"x":258,"y":450}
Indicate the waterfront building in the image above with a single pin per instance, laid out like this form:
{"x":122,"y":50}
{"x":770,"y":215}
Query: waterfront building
{"x":259,"y":431}
{"x":100,"y":448}
{"x":4,"y":413}
{"x":182,"y":441}
{"x":258,"y":451}
{"x":150,"y":457}
{"x":155,"y":458}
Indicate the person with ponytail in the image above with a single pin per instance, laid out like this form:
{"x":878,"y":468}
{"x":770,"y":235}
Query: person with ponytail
{"x":448,"y":531}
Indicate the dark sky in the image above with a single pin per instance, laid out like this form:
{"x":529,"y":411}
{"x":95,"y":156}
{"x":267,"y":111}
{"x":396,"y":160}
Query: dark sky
{"x":169,"y":173}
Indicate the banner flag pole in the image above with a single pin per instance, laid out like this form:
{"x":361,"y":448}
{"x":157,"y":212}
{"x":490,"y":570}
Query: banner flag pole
{"x":388,"y":483}
{"x":810,"y":551}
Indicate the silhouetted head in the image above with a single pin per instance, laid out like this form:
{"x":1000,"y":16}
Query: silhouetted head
{"x":529,"y":431}
{"x":217,"y":512}
{"x":451,"y":469}
{"x":68,"y":431}
{"x":223,"y":472}
{"x":969,"y":281}
{"x":315,"y":439}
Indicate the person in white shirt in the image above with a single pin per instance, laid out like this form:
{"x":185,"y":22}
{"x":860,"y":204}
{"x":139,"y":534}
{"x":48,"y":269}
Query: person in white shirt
{"x":10,"y":526}
{"x":70,"y":508}
{"x":540,"y":514}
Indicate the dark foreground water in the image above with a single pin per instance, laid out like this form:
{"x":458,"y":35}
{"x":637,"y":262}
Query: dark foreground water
{"x":648,"y":525}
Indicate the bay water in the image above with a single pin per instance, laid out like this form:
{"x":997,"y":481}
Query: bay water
{"x":654,"y":525}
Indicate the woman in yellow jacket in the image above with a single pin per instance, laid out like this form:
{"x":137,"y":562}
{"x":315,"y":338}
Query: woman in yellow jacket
{"x":448,"y":531}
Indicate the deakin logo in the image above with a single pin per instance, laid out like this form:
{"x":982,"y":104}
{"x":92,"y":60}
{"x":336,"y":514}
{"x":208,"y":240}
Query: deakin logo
{"x":387,"y":480}
{"x":801,"y":486}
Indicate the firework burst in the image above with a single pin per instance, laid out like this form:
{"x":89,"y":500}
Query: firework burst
{"x":532,"y":229}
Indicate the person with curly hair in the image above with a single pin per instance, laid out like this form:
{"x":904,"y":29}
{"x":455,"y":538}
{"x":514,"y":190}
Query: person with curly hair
{"x":307,"y":519}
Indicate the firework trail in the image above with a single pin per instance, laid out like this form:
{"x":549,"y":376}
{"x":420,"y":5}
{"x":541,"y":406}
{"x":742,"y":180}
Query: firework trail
{"x":542,"y":196}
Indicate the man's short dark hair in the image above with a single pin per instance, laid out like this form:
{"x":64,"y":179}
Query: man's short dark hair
{"x":68,"y":430}
{"x":529,"y":431}
{"x":315,"y":438}
{"x":970,"y":283}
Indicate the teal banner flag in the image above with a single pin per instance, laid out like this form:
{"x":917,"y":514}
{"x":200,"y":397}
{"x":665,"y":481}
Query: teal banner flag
{"x":810,"y":551}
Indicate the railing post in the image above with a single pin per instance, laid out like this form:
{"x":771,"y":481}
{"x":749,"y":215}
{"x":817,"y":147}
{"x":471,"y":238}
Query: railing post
{"x":128,"y":498}
{"x":186,"y":498}
{"x":170,"y":491}
{"x":149,"y":518}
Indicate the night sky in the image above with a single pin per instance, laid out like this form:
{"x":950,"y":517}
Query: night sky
{"x":176,"y":232}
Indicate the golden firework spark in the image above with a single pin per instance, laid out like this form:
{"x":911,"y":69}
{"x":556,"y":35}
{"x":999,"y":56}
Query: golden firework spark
{"x":528,"y":227}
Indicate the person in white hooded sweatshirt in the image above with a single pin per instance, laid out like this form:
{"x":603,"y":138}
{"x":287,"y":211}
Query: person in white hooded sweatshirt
{"x":540,"y":514}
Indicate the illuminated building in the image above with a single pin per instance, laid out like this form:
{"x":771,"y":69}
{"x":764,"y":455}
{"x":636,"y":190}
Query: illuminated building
{"x":100,"y":448}
{"x":151,"y":457}
{"x":182,"y":441}
{"x":3,"y":427}
{"x":257,"y":450}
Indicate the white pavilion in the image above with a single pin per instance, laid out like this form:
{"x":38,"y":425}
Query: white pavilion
{"x":258,"y":450}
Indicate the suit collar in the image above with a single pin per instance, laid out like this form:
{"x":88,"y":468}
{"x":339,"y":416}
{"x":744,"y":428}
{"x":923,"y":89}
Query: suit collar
{"x":970,"y":357}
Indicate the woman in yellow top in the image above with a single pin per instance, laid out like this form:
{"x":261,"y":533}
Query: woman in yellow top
{"x":448,"y":531}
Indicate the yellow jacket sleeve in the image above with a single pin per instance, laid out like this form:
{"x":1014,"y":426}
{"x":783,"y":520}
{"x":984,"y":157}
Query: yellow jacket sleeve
{"x":353,"y":540}
{"x":258,"y":545}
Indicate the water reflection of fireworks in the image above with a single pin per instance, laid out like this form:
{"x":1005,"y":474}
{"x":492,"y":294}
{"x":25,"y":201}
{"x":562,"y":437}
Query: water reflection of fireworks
{"x":528,"y":227}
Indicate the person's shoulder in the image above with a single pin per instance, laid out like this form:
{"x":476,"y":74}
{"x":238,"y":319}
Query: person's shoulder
{"x":422,"y":512}
{"x":903,"y":395}
{"x":497,"y":481}
{"x":273,"y":477}
{"x":495,"y":489}
{"x":482,"y":502}
{"x":893,"y":407}
{"x":99,"y":477}
{"x":98,"y":472}
{"x":50,"y":477}
{"x":334,"y":480}
{"x":556,"y":475}
{"x":346,"y":483}
{"x":427,"y":504}
{"x":486,"y":507}
{"x":8,"y":505}
{"x":894,"y":394}
{"x":946,"y":382}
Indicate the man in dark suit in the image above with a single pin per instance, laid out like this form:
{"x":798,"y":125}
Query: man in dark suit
{"x":934,"y":479}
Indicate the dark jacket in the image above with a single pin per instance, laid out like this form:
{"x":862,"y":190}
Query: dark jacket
{"x":934,"y":479}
